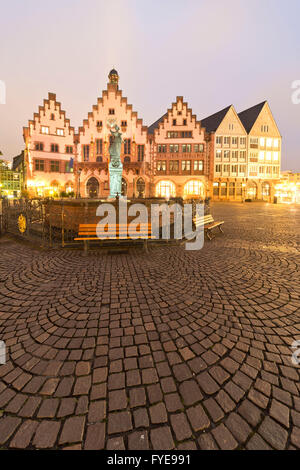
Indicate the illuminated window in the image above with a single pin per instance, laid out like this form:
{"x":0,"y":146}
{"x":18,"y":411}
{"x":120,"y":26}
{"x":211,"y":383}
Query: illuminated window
{"x":262,"y":141}
{"x":161,"y":165}
{"x":219,"y":154}
{"x":60,"y":132}
{"x":186,"y":165}
{"x":276,"y":156}
{"x":194,"y":188}
{"x":174,"y":165}
{"x":269,"y":142}
{"x":45,"y":130}
{"x":198,"y":165}
{"x":261,"y":155}
{"x":276,"y":143}
{"x":165,"y":189}
{"x":269,"y":156}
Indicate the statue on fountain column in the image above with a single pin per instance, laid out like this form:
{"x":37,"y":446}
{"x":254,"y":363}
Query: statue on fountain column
{"x":115,"y":164}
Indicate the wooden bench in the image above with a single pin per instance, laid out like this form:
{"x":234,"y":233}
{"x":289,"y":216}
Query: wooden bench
{"x":208,"y":222}
{"x":117,"y":232}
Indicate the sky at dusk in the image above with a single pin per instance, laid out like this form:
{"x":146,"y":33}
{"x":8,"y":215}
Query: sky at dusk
{"x":213,"y":52}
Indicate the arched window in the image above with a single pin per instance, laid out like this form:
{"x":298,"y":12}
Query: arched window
{"x":265,"y":190}
{"x":165,"y":189}
{"x":92,"y":187}
{"x":194,"y":188}
{"x":140,"y":187}
{"x":126,"y":159}
{"x":252,"y":190}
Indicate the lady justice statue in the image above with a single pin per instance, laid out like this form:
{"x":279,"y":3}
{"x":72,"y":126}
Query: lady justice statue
{"x":115,"y":164}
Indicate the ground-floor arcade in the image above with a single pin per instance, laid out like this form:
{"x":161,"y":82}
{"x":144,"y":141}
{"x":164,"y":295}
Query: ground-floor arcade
{"x":242,"y":189}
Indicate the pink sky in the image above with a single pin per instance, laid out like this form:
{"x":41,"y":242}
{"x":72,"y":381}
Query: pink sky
{"x":214,"y":53}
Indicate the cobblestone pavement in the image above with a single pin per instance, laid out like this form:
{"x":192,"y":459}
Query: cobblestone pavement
{"x":170,"y":350}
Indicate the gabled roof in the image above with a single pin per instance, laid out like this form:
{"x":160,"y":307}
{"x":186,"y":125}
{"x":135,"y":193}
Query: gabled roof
{"x":211,"y":123}
{"x":155,"y":125}
{"x":249,"y":116}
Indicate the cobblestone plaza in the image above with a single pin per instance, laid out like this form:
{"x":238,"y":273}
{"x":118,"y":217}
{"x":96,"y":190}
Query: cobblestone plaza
{"x":166,"y":350}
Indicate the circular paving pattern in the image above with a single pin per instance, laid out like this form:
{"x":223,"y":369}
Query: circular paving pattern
{"x":173,"y":349}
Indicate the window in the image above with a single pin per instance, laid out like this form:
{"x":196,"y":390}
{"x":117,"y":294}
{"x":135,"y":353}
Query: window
{"x":54,"y":166}
{"x":243,"y":155}
{"x":174,"y":122}
{"x":186,"y":148}
{"x":199,"y":148}
{"x":276,"y":156}
{"x":68,"y":167}
{"x":234,"y":141}
{"x":165,"y":189}
{"x":123,"y":123}
{"x":45,"y":130}
{"x":226,"y":140}
{"x":69,"y":149}
{"x":216,"y":189}
{"x":141,"y":153}
{"x":60,"y":132}
{"x":99,"y":123}
{"x":99,"y":159}
{"x":54,"y":148}
{"x":99,"y":146}
{"x":174,"y":165}
{"x":223,"y":189}
{"x":127,"y":146}
{"x":175,"y":135}
{"x":276,"y":170}
{"x":184,"y":122}
{"x":261,"y":155}
{"x":218,"y":140}
{"x":269,"y":143}
{"x":86,"y":152}
{"x":161,"y":148}
{"x":261,"y":170}
{"x":39,"y":146}
{"x":234,"y":168}
{"x":198,"y":165}
{"x":219,"y":154}
{"x":226,"y":153}
{"x":161,"y":165}
{"x":174,"y":148}
{"x":226,"y":168}
{"x":242,"y":169}
{"x":126,"y":159}
{"x":262,"y":141}
{"x":243,"y":141}
{"x":230,"y":127}
{"x":194,"y":188}
{"x":186,"y":165}
{"x":218,"y":168}
{"x":231,"y":189}
{"x":269,"y":156}
{"x":276,"y":143}
{"x":235,"y":154}
{"x":111,"y":111}
{"x":39,"y":165}
{"x":269,"y":170}
{"x":253,"y":142}
{"x":52,"y":117}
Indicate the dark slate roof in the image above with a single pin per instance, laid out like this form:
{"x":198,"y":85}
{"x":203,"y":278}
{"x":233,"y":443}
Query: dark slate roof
{"x":211,"y":123}
{"x":17,"y":161}
{"x":155,"y":125}
{"x":249,"y":116}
